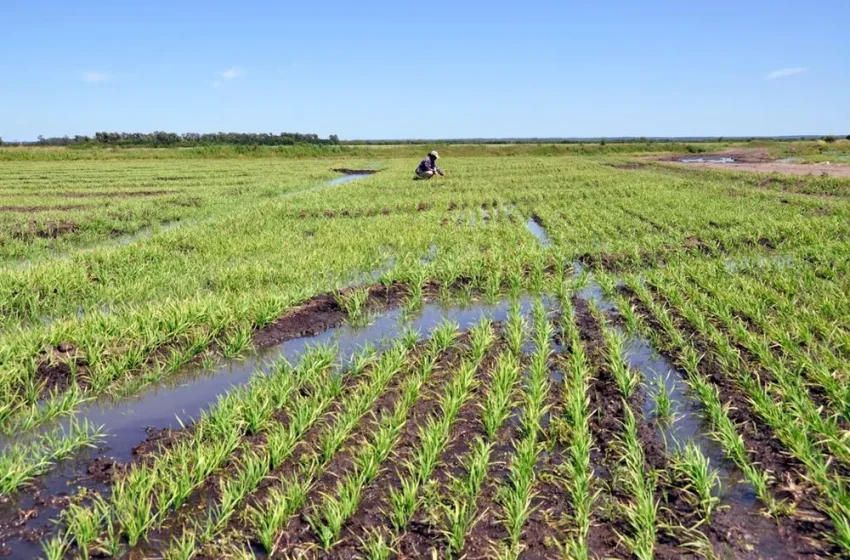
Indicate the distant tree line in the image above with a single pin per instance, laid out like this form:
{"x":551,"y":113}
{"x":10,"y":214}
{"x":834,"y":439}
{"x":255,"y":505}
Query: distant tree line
{"x":164,"y":139}
{"x":189,"y":139}
{"x":600,"y":140}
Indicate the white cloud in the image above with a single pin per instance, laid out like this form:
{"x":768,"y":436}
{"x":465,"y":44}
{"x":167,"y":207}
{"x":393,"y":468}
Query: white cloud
{"x":785,"y":72}
{"x":231,"y":73}
{"x":95,"y":77}
{"x":216,"y":84}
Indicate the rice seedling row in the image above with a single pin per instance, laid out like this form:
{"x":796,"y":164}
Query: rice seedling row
{"x":737,"y":425}
{"x":122,"y":274}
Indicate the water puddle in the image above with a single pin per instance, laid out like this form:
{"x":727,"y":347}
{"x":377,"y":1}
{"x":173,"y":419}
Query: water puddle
{"x":177,"y":400}
{"x":536,"y":228}
{"x":780,"y":262}
{"x":344,"y":179}
{"x":686,"y":423}
{"x":430,"y":256}
{"x":707,"y":160}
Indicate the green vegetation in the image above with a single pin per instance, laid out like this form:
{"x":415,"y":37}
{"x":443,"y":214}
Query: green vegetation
{"x":525,"y":434}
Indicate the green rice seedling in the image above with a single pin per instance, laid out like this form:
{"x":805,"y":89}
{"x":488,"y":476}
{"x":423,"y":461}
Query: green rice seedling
{"x":498,"y":403}
{"x":493,"y":286}
{"x":327,"y":523}
{"x":183,"y":548}
{"x":459,"y":516}
{"x":282,"y":503}
{"x":443,"y":336}
{"x":459,"y":512}
{"x":353,"y":302}
{"x":236,"y":342}
{"x":55,"y":405}
{"x":404,"y":501}
{"x":362,"y":359}
{"x":691,"y":466}
{"x":725,"y":430}
{"x":641,"y":512}
{"x":626,"y":378}
{"x":515,"y":498}
{"x":375,"y":545}
{"x":111,"y":543}
{"x":327,"y":518}
{"x":258,"y":415}
{"x":336,"y":510}
{"x":579,"y":440}
{"x":410,"y":338}
{"x":481,"y":337}
{"x":85,"y":523}
{"x":149,"y":491}
{"x":433,"y":436}
{"x":663,"y":401}
{"x":208,"y":361}
{"x":54,"y":548}
{"x":20,"y":463}
{"x":515,"y":331}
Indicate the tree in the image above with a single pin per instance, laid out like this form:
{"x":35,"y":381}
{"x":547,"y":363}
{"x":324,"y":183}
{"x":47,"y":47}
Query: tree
{"x":829,"y":139}
{"x":1,"y":140}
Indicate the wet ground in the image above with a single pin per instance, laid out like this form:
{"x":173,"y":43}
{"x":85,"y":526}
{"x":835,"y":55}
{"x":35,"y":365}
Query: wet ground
{"x":756,"y":161}
{"x":178,"y":400}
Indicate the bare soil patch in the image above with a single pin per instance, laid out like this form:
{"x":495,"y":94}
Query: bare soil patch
{"x":347,"y":171}
{"x":49,"y":230}
{"x":116,"y":194}
{"x":757,"y":160}
{"x":370,"y":212}
{"x":629,"y":165}
{"x":93,"y":194}
{"x":34,"y":209}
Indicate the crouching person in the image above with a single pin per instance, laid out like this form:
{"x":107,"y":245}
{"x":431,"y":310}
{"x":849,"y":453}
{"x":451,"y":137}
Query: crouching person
{"x":428,"y":167}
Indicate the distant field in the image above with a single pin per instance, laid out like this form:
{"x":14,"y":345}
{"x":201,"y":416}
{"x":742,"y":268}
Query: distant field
{"x":555,"y":351}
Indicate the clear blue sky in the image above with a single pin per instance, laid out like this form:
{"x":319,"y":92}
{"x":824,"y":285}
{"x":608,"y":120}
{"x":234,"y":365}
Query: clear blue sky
{"x":434,"y":69}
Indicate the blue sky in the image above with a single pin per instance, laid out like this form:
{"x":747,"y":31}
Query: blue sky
{"x":430,"y":70}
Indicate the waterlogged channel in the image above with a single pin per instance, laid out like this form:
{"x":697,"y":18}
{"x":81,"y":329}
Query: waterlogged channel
{"x":686,"y":424}
{"x":178,"y":400}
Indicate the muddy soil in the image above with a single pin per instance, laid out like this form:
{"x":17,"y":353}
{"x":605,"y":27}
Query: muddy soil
{"x":629,"y":165}
{"x":606,"y":424}
{"x":347,"y":171}
{"x":370,"y":212}
{"x":34,"y":209}
{"x":313,"y":317}
{"x":613,"y":262}
{"x":98,"y":194}
{"x":423,"y":538}
{"x":374,"y":502}
{"x":757,"y":160}
{"x":734,"y":530}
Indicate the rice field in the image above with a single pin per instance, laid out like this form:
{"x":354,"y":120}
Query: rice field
{"x":542,"y":355}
